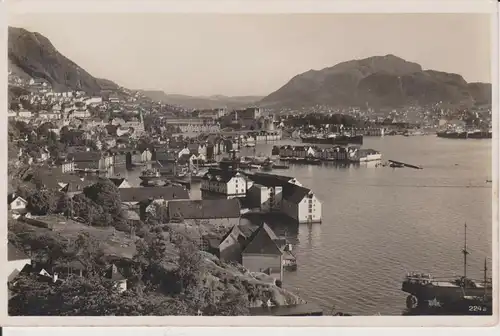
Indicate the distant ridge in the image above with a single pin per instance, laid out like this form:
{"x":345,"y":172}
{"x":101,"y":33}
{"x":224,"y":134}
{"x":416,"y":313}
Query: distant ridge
{"x":378,"y":81}
{"x":194,"y":102}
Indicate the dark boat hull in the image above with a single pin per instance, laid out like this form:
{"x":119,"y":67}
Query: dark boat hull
{"x":339,"y":140}
{"x":464,"y":307}
{"x":423,"y":295}
{"x":452,"y":135}
{"x":480,"y":135}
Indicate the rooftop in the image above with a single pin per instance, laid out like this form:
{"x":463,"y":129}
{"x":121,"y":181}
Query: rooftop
{"x":13,"y":253}
{"x":140,"y":194}
{"x":204,"y":209}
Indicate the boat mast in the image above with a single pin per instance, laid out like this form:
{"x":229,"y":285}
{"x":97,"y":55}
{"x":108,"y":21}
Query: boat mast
{"x":485,"y":276}
{"x":465,"y":253}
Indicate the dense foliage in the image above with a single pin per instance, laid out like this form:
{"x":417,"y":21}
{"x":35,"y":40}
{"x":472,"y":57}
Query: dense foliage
{"x":160,"y":282}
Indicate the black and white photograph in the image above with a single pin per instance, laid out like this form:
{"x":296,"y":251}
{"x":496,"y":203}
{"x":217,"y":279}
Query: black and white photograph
{"x":251,"y":164}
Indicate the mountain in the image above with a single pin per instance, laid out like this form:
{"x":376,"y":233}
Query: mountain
{"x":32,"y":55}
{"x":193,"y":102}
{"x":380,"y":81}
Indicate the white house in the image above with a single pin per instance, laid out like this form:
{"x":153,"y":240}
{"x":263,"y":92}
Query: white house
{"x":49,"y":115}
{"x":24,"y":114}
{"x":286,"y":195}
{"x":16,"y":203}
{"x":227,"y":183}
{"x":301,"y":204}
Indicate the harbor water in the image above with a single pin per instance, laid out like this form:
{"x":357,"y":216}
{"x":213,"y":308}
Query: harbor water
{"x":380,"y":223}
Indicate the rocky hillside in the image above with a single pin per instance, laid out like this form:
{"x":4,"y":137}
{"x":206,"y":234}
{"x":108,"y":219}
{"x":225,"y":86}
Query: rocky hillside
{"x":193,"y":102}
{"x":382,"y":81}
{"x":32,"y":55}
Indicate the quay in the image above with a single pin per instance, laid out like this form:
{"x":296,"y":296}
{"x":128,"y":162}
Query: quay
{"x":306,"y":309}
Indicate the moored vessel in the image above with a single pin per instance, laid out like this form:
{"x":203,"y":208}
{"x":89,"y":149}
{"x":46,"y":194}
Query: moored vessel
{"x":333,"y":139}
{"x":452,"y":134}
{"x":426,"y":291}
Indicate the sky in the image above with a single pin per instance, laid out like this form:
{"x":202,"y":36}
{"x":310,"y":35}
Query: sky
{"x":255,"y":54}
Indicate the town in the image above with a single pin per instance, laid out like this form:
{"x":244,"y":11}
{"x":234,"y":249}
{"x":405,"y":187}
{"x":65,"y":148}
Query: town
{"x":74,"y":213}
{"x":64,"y":192}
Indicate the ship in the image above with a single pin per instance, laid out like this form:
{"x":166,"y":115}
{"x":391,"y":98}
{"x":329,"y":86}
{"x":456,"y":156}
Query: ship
{"x":333,"y":139}
{"x":459,"y":134}
{"x":452,"y":134}
{"x":479,"y":134}
{"x":426,"y":292}
{"x":267,"y":165}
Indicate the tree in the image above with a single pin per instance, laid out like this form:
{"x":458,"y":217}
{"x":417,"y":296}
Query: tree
{"x":189,"y":269}
{"x":89,"y":252}
{"x":106,"y":194}
{"x":42,"y":202}
{"x":233,"y":303}
{"x":157,"y":215}
{"x":41,"y":246}
{"x":83,"y":207}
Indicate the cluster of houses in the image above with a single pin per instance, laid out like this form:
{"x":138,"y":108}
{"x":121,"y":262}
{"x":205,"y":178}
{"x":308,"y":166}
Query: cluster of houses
{"x":256,"y":247}
{"x":335,"y":153}
{"x":264,"y":193}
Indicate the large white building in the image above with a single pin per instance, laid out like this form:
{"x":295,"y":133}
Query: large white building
{"x":286,"y":195}
{"x":227,"y":183}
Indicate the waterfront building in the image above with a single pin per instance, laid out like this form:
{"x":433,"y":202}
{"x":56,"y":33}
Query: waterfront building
{"x":265,"y":198}
{"x":256,"y":248}
{"x":226,"y":183}
{"x":365,"y":155}
{"x":269,"y":135}
{"x":264,"y":252}
{"x":301,"y":204}
{"x":374,"y":131}
{"x":92,"y":160}
{"x":296,"y":201}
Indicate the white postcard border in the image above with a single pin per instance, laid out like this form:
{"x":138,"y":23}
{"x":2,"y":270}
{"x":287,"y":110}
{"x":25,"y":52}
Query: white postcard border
{"x":259,"y":6}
